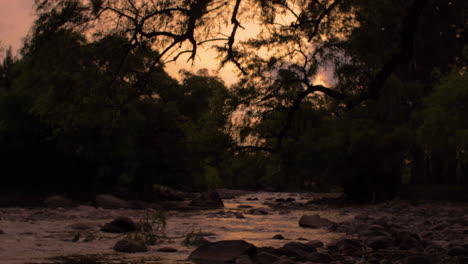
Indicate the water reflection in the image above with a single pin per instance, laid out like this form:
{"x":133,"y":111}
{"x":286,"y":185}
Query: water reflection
{"x":256,"y":229}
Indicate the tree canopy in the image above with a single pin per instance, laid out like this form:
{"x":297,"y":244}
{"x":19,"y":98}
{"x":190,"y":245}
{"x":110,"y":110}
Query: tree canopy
{"x":90,"y":82}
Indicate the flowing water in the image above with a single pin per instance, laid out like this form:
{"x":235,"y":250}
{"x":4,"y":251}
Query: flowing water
{"x":35,"y":235}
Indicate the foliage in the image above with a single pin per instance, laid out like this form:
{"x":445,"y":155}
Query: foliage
{"x":444,"y":126}
{"x":151,"y":228}
{"x":193,"y":239}
{"x":89,"y":105}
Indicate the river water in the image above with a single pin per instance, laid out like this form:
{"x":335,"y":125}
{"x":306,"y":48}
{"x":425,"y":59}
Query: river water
{"x":36,"y":235}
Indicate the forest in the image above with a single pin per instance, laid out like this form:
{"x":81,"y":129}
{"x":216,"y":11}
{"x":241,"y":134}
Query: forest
{"x":88,"y":106}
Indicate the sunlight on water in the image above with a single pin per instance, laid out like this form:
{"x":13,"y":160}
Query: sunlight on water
{"x":256,"y":229}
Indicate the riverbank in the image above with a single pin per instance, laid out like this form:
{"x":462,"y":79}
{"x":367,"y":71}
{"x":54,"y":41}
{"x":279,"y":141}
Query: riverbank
{"x":390,"y":232}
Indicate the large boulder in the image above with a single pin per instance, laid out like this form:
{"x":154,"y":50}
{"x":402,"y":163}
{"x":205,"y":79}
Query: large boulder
{"x":379,"y":242}
{"x":130,"y":246}
{"x":266,"y":258}
{"x":297,"y":250}
{"x":109,"y":201}
{"x":208,"y":200}
{"x":57,"y":201}
{"x":315,"y":221}
{"x":121,"y":224}
{"x":222,"y":252}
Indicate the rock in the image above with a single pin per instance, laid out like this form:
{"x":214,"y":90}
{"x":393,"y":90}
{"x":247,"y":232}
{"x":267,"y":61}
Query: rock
{"x":266,"y":258}
{"x":417,"y":260}
{"x":244,"y":206}
{"x":110,"y":201}
{"x":222,"y":252}
{"x":203,"y":234}
{"x":258,"y":211}
{"x":278,"y":236}
{"x":138,"y":204}
{"x":349,"y":247}
{"x":252,"y":199}
{"x":318,"y":257}
{"x":362,"y":217}
{"x":167,"y":249}
{"x":297,"y":250}
{"x":457,"y":251}
{"x":82,"y":226}
{"x":439,"y":227}
{"x":239,"y":215}
{"x":407,"y":240}
{"x":57,"y":201}
{"x":315,"y":221}
{"x":130,"y":246}
{"x":315,"y":243}
{"x":285,"y":261}
{"x":2,"y":232}
{"x":120,"y":224}
{"x":379,"y":242}
{"x":244,"y":259}
{"x":208,"y":200}
{"x":169,"y":194}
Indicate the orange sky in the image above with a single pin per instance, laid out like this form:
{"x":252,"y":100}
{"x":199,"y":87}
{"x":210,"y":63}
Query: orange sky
{"x":16,"y":17}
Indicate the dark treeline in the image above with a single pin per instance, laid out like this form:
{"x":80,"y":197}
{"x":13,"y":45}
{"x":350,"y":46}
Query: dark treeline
{"x":81,"y":113}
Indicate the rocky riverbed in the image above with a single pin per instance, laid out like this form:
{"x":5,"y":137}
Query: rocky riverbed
{"x":391,"y":232}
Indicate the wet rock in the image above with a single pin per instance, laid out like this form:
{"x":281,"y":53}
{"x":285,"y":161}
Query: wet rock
{"x":110,"y":201}
{"x":208,"y":200}
{"x":244,"y":259}
{"x":278,"y":236}
{"x":82,"y":226}
{"x":457,"y":251}
{"x":315,"y":243}
{"x":167,"y":249}
{"x":120,"y":224}
{"x":417,"y":260}
{"x":2,"y":232}
{"x":239,"y":215}
{"x":266,"y":258}
{"x":315,"y":221}
{"x":290,"y":200}
{"x":252,"y":199}
{"x":222,"y":252}
{"x":205,"y":234}
{"x":258,"y":211}
{"x":57,"y":201}
{"x":244,"y":206}
{"x":130,"y":246}
{"x":319,"y":257}
{"x":379,"y":242}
